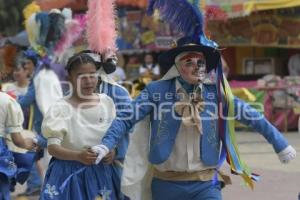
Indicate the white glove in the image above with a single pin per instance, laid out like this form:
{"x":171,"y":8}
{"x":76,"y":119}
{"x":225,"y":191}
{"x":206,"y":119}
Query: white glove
{"x":35,"y":140}
{"x":101,"y":150}
{"x":287,"y":154}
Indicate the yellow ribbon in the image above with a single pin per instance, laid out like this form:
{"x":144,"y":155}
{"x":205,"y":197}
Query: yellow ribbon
{"x":31,"y":115}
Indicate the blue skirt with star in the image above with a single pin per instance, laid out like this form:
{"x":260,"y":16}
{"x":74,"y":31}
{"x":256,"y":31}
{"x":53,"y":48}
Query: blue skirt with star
{"x":69,"y":180}
{"x":14,"y":167}
{"x":8,"y":170}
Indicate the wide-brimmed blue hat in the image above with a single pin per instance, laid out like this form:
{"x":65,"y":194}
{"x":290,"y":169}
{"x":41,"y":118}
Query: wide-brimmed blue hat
{"x":186,"y":44}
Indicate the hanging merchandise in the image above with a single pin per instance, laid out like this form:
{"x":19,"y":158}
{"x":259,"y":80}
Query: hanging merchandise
{"x":139,"y":32}
{"x":274,"y":28}
{"x":240,"y":8}
{"x":75,"y":5}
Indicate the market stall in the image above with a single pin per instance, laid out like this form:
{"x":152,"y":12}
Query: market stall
{"x":260,"y":39}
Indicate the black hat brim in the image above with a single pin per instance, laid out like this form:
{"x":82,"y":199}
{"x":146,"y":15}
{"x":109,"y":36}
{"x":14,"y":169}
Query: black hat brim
{"x":167,"y":59}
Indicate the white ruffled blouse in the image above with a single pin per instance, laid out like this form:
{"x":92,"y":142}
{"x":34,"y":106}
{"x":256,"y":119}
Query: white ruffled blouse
{"x":81,"y":127}
{"x":11,"y":115}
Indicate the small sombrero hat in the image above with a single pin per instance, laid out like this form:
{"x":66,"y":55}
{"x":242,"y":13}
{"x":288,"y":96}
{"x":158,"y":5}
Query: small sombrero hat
{"x":185,"y":44}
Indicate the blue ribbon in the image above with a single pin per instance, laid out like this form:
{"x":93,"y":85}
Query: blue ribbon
{"x":64,"y":184}
{"x":222,"y":159}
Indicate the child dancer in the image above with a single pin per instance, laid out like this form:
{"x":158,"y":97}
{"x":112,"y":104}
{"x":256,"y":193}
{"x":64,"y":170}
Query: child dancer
{"x":72,"y":126}
{"x":11,"y":120}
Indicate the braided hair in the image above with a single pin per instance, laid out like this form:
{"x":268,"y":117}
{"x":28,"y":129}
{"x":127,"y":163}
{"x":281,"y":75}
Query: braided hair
{"x":77,"y":60}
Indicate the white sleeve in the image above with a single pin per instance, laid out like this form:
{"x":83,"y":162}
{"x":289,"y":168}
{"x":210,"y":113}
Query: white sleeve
{"x":47,"y":89}
{"x":8,"y":87}
{"x":14,"y":119}
{"x":54,"y":126}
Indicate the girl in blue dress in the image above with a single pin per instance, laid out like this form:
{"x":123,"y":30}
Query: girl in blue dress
{"x":72,"y":126}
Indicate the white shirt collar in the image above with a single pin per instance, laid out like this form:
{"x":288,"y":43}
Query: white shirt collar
{"x":172,"y":73}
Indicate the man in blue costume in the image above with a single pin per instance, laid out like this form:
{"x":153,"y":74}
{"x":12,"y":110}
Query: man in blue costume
{"x":187,"y":120}
{"x":185,"y":132}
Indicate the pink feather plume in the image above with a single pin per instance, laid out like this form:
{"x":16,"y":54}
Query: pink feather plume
{"x":101,"y":26}
{"x":74,"y":29}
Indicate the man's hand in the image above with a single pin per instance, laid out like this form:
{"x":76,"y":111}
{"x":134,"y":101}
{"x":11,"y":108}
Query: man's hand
{"x":109,"y":158}
{"x":287,"y":154}
{"x":101,"y":150}
{"x":87,"y":157}
{"x":30,"y":144}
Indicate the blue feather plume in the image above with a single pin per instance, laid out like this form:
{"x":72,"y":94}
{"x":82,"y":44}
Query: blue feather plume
{"x":43,"y":19}
{"x":196,"y":3}
{"x":151,"y":8}
{"x":180,"y":14}
{"x":56,"y":30}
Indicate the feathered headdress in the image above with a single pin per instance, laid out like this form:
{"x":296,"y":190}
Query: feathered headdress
{"x":101,"y":26}
{"x":183,"y":16}
{"x":45,"y":30}
{"x":101,"y":33}
{"x":43,"y":20}
{"x":33,"y":31}
{"x":74,"y":29}
{"x":180,"y":14}
{"x":56,"y":29}
{"x":187,"y":18}
{"x":30,"y":9}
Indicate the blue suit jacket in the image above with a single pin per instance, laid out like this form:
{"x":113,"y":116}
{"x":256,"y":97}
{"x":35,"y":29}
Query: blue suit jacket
{"x":157,"y":100}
